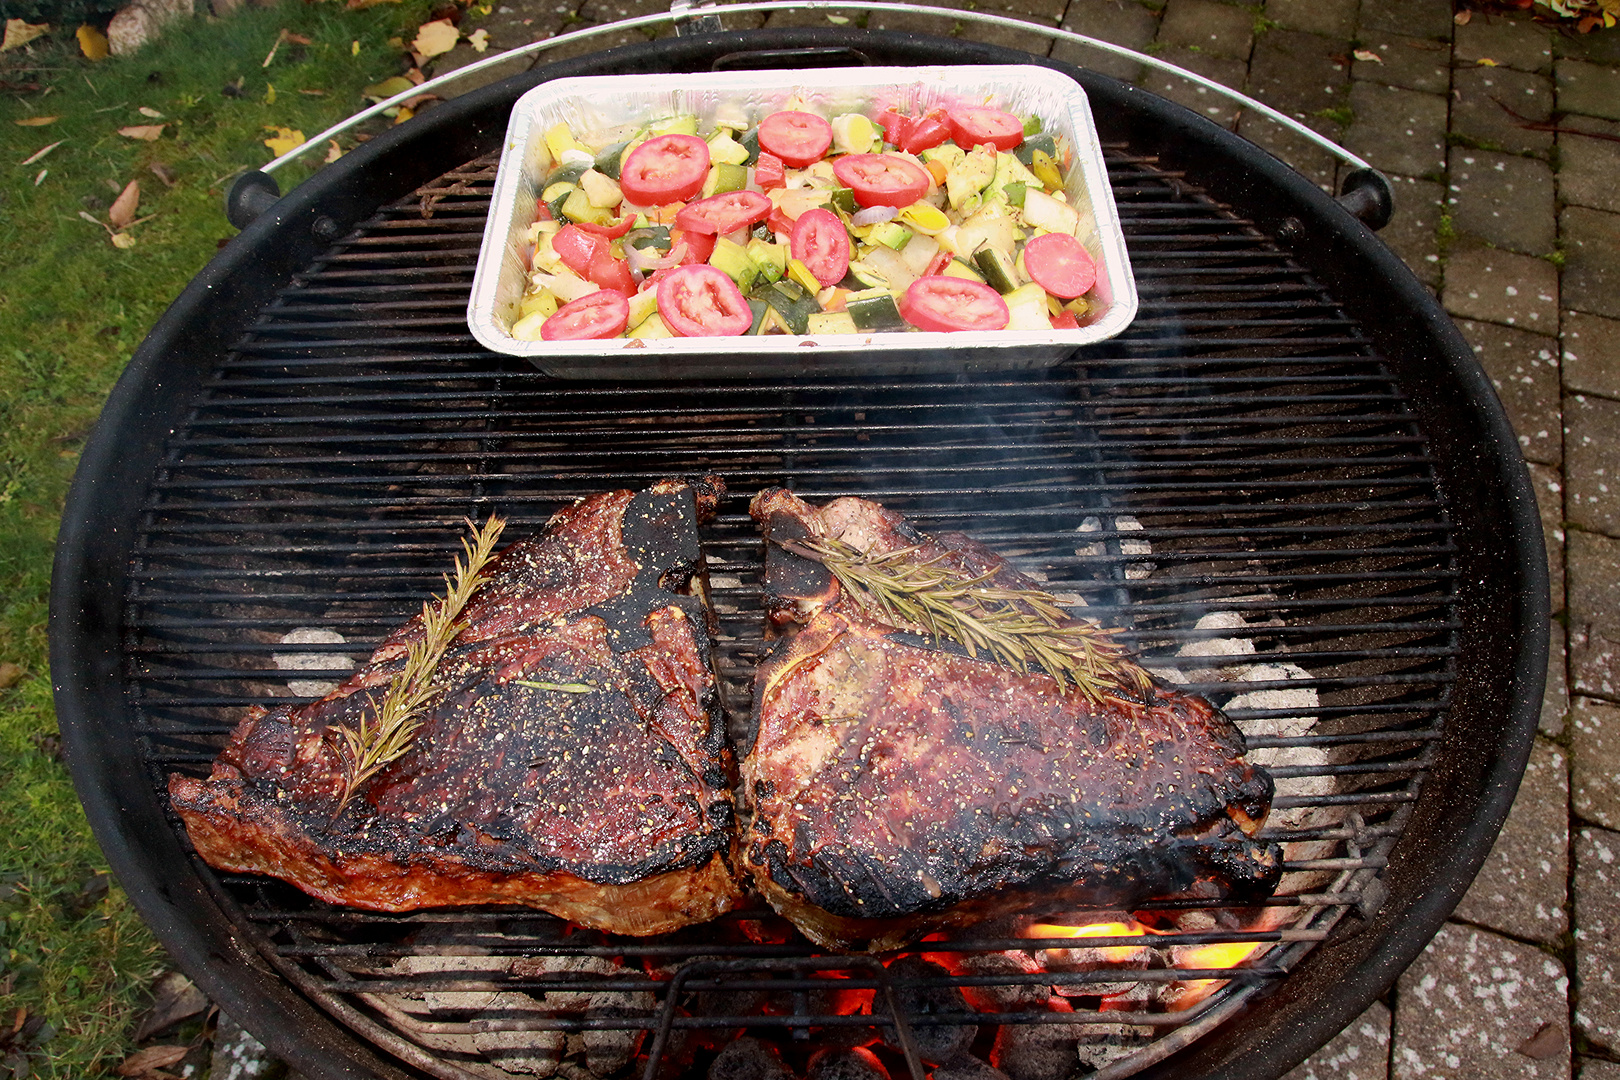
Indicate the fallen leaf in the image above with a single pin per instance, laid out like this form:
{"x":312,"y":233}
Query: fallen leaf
{"x":416,"y":76}
{"x":354,"y":50}
{"x":122,"y":241}
{"x":144,"y":132}
{"x":40,"y":179}
{"x":274,"y":46}
{"x":478,"y":39}
{"x":436,"y":38}
{"x":312,"y":93}
{"x":360,"y":5}
{"x":93,"y":43}
{"x":165,"y":174}
{"x":174,"y":998}
{"x":401,"y":115}
{"x":1486,"y":61}
{"x":38,"y":154}
{"x":37,"y":121}
{"x":153,"y":1057}
{"x":1368,"y":54}
{"x":269,"y":93}
{"x":10,"y":675}
{"x":838,"y":20}
{"x":285,"y":140}
{"x":387,"y":88}
{"x":333,"y":152}
{"x":92,"y":220}
{"x":150,"y":113}
{"x":19,"y":33}
{"x":1462,"y":17}
{"x":122,"y":211}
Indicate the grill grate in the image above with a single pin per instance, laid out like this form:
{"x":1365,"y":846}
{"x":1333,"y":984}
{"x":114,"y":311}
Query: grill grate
{"x":1237,"y":481}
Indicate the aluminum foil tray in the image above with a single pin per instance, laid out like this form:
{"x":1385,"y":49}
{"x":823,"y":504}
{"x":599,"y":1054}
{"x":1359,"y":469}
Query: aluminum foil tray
{"x":597,"y":107}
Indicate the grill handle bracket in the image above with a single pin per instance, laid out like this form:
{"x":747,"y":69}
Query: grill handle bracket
{"x":250,"y":195}
{"x":1367,"y":194}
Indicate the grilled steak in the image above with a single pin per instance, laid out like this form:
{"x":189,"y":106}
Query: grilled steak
{"x":898,"y":785}
{"x":575,"y":760}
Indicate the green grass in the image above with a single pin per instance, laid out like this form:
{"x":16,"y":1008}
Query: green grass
{"x":72,"y":310}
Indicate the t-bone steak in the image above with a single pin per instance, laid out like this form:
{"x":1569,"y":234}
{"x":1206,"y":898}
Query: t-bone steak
{"x":897,"y":785}
{"x":574,"y":761}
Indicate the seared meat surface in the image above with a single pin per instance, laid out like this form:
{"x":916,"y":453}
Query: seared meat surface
{"x":898,"y":785}
{"x":575,"y":760}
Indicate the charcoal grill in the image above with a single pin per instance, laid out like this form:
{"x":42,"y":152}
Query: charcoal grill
{"x":1289,"y":481}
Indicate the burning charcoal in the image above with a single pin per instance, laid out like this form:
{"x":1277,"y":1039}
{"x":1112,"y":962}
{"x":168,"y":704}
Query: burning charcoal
{"x":854,"y":1063}
{"x":934,"y":1043}
{"x":527,"y":1053}
{"x":968,"y":1067}
{"x":609,"y":1050}
{"x":1103,"y":1044}
{"x":1025,"y":993}
{"x":1036,"y":1051}
{"x":749,"y":1059}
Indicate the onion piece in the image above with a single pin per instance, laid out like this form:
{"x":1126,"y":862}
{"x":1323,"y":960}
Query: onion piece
{"x":873,"y":215}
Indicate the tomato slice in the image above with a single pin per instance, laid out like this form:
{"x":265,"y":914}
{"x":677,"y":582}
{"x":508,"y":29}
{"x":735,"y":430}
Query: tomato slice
{"x":724,"y":213}
{"x":577,"y":248}
{"x":611,"y":232}
{"x":798,"y":138}
{"x":882,"y":179}
{"x":926,"y":133}
{"x":780,"y":222}
{"x":938,"y":263}
{"x":698,"y":246}
{"x":611,"y":273}
{"x":895,"y":127}
{"x":768,"y":172}
{"x":1059,"y":264}
{"x":820,"y":241}
{"x":948,"y":303}
{"x":700,"y":301}
{"x":665,"y":170}
{"x":975,"y":125}
{"x":1065,"y":321}
{"x":600,"y":315}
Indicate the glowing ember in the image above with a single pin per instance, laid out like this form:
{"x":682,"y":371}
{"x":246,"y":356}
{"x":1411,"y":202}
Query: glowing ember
{"x":1225,"y":955}
{"x":1114,"y":954}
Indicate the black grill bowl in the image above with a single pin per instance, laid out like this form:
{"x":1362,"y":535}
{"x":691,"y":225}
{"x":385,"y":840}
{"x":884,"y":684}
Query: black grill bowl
{"x":122,"y":661}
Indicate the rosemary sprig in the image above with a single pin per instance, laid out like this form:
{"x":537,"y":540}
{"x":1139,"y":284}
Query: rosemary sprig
{"x":385,"y":737}
{"x":558,"y":687}
{"x":1021,"y":628}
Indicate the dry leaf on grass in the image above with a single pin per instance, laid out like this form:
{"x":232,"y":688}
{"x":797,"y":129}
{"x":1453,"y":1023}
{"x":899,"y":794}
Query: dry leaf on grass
{"x":174,"y":998}
{"x":165,"y":174}
{"x":144,"y":1062}
{"x":1462,"y":17}
{"x":150,"y":113}
{"x":358,"y":5}
{"x":387,"y":88}
{"x":435,"y":38}
{"x":123,"y":241}
{"x":38,"y":154}
{"x":93,"y":43}
{"x":37,"y":121}
{"x":333,"y":151}
{"x":284,"y":140}
{"x":122,"y":211}
{"x":144,"y":132}
{"x":19,"y":33}
{"x":479,"y":39}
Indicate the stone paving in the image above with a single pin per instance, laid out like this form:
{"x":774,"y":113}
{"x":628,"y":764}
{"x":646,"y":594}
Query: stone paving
{"x":1502,"y":137}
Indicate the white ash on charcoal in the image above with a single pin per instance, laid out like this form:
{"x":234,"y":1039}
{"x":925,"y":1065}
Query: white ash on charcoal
{"x":1022,"y":991}
{"x":968,"y":1067}
{"x":935,"y":1043}
{"x":749,"y":1058}
{"x":1105,"y":1044}
{"x":1122,"y":523}
{"x":607,"y":1050}
{"x":1037,"y":1051}
{"x":312,"y":661}
{"x":851,"y":1063}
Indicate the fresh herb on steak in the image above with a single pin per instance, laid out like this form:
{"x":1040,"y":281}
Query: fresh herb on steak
{"x":389,"y":735}
{"x":1017,"y":627}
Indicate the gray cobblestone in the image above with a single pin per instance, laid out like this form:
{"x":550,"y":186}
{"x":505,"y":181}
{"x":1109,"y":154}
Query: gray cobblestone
{"x":1413,"y":232}
{"x":1330,"y":18}
{"x":1521,"y":889}
{"x":1594,"y":1069}
{"x":1592,"y":571}
{"x":1470,"y":1001}
{"x":1591,"y":354}
{"x":1118,"y":22}
{"x":1588,"y":89}
{"x":1207,"y":26}
{"x":1555,"y":702}
{"x":1399,"y":131}
{"x":1514,"y":43}
{"x":1477,"y":112}
{"x":1524,"y":370}
{"x":1594,"y":745}
{"x":1408,"y":62}
{"x":1504,"y":200}
{"x":1424,"y":18}
{"x":1359,"y":1052}
{"x":1302,"y":156}
{"x":1549,"y":484}
{"x":1591,"y":260}
{"x":1592,"y":491}
{"x":1587,"y":166}
{"x":1597,"y":941}
{"x":1499,"y":286}
{"x":1303,"y":75}
{"x":1209,"y":105}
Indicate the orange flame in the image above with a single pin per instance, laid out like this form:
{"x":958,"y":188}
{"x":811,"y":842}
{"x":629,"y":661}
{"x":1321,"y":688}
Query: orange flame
{"x":1223,"y":955}
{"x":1117,"y":954}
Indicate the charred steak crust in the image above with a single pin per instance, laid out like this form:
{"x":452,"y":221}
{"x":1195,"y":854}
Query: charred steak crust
{"x":599,"y":791}
{"x":895,"y":787}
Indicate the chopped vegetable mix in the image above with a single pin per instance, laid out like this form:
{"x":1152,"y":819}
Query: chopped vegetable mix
{"x":956,"y":219}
